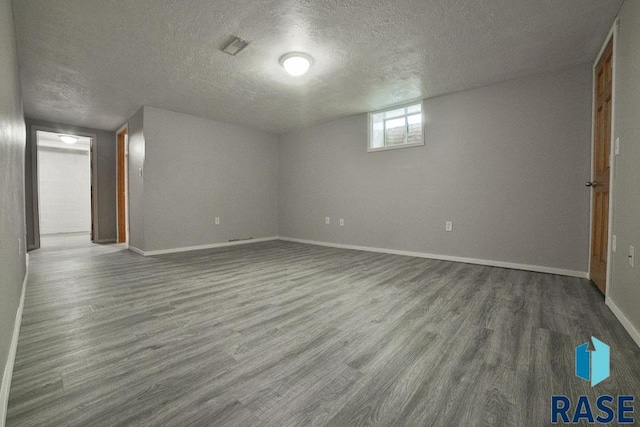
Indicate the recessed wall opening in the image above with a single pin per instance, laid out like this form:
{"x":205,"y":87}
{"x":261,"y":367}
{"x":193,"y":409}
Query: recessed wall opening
{"x":64,"y":188}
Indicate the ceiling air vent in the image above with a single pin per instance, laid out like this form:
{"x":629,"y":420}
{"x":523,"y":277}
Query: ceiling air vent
{"x":234,"y":46}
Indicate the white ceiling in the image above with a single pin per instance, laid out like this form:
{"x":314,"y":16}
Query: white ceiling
{"x":95,"y":62}
{"x":52,"y":140}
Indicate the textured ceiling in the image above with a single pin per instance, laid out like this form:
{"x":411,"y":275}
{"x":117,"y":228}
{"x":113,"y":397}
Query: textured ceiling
{"x":52,"y":139}
{"x":93,"y":63}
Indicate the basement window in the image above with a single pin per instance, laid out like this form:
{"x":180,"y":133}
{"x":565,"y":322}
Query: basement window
{"x":397,"y":127}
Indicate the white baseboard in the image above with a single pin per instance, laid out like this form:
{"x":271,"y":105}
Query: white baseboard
{"x":633,"y":331}
{"x":8,"y":369}
{"x":200,"y":247}
{"x":105,"y":241}
{"x":136,"y":250}
{"x":526,"y":267}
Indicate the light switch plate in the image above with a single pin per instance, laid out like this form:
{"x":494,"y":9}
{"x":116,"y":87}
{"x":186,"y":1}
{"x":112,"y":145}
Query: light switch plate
{"x":327,"y":220}
{"x":217,"y":220}
{"x":341,"y":222}
{"x":614,"y":243}
{"x":617,"y":146}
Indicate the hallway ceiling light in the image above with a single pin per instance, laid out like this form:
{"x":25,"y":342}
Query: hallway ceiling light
{"x":68,"y":139}
{"x":296,"y":63}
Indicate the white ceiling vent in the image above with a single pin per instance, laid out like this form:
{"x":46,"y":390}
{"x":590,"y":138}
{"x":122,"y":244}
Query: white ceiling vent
{"x":234,"y":45}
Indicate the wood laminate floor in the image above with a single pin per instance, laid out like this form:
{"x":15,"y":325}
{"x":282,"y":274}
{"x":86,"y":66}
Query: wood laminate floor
{"x":280,"y":333}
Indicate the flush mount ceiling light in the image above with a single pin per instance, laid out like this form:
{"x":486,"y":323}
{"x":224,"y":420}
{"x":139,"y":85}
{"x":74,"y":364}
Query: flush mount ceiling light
{"x":296,"y":63}
{"x":68,"y":139}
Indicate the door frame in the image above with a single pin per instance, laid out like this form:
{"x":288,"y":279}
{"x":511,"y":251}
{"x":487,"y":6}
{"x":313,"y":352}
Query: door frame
{"x":35,"y":190}
{"x":613,"y":35}
{"x":123,"y":128}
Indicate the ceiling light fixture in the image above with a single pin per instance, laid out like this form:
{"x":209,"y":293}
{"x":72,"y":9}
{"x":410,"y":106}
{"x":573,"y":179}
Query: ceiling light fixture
{"x":296,"y":63}
{"x":68,"y":139}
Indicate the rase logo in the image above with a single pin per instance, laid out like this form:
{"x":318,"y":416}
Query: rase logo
{"x":594,"y":366}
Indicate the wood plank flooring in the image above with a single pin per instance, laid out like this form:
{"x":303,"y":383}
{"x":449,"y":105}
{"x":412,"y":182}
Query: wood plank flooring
{"x":286,"y":334}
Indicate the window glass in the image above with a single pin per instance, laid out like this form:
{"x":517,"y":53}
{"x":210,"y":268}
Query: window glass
{"x":396,"y":128}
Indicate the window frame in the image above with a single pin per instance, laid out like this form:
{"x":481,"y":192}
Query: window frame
{"x":370,"y":115}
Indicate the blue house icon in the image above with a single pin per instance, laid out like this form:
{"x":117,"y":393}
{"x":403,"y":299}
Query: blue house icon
{"x":593,"y":365}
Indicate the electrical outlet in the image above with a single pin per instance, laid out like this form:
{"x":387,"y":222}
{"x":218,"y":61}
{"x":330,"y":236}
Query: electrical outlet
{"x":341,"y":222}
{"x":448,"y":226}
{"x":217,"y":220}
{"x":614,"y":243}
{"x":327,"y":220}
{"x":140,"y":172}
{"x":632,"y":255}
{"x":19,"y":246}
{"x":617,"y":146}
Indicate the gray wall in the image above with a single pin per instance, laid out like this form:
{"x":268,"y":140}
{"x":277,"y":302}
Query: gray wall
{"x":104,"y":171}
{"x":135,"y":181}
{"x":506,"y":163}
{"x":12,"y":140}
{"x":196,"y":169}
{"x":625,"y":284}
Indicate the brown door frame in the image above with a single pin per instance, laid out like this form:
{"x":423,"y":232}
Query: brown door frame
{"x":122,"y":211}
{"x":611,"y":37}
{"x":35,"y":195}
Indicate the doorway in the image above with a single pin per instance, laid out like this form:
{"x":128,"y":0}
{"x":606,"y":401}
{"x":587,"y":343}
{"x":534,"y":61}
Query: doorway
{"x":65,"y":205}
{"x":121,"y":172}
{"x":601,"y":173}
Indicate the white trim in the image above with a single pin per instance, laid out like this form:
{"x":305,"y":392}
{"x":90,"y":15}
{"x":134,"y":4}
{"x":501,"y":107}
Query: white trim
{"x":396,"y":147}
{"x":8,"y":369}
{"x":612,"y":158}
{"x":593,"y":137}
{"x":123,"y":127}
{"x":136,"y":250}
{"x":613,"y":30}
{"x":200,"y":247}
{"x":515,"y":266}
{"x":635,"y":334}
